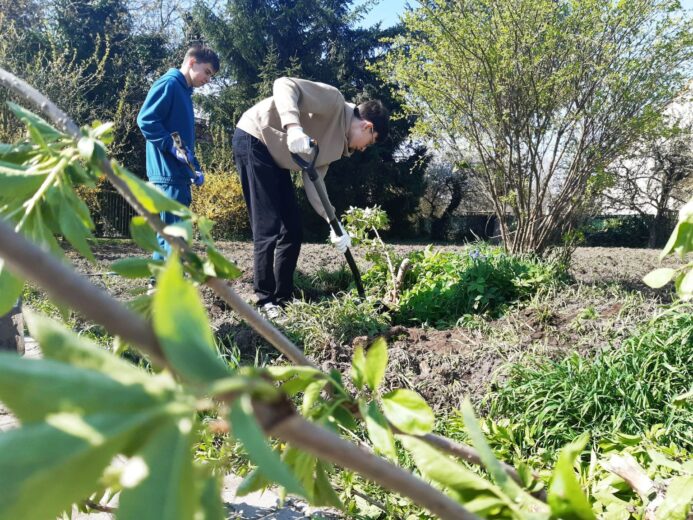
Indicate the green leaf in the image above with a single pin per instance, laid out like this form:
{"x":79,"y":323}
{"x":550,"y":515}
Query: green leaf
{"x":247,"y":430}
{"x":358,"y":368}
{"x":685,"y":288}
{"x":282,"y":373}
{"x":181,"y":324}
{"x":33,"y":121}
{"x":488,"y":459}
{"x":407,"y":411}
{"x":16,"y":184}
{"x":378,"y":430}
{"x":143,"y":235}
{"x":135,"y":267}
{"x":325,"y":494}
{"x":167,"y":489}
{"x":211,"y":507}
{"x":477,"y":494}
{"x":205,"y":225}
{"x":59,"y":343}
{"x":182,"y":229}
{"x":10,"y":289}
{"x":254,"y":481}
{"x":311,"y":395}
{"x":223,"y":267}
{"x":659,"y":277}
{"x":376,"y":363}
{"x":75,"y":231}
{"x":148,"y":195}
{"x":565,"y":496}
{"x":24,"y":384}
{"x":46,"y":467}
{"x":680,"y":400}
{"x":678,"y":500}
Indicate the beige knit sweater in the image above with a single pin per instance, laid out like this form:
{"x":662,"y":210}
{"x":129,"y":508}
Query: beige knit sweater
{"x":322,"y":112}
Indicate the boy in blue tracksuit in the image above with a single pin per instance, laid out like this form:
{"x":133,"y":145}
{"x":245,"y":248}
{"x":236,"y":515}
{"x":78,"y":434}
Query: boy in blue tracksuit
{"x":167,"y":109}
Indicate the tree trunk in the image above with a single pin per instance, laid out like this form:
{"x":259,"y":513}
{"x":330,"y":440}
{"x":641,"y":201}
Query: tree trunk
{"x":12,"y":330}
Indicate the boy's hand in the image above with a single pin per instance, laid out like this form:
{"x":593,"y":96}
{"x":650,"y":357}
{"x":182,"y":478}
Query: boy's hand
{"x":297,"y":140}
{"x":341,"y":243}
{"x":184,"y":156}
{"x":199,"y":179}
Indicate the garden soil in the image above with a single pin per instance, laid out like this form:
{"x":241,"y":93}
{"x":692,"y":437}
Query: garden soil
{"x":445,"y":366}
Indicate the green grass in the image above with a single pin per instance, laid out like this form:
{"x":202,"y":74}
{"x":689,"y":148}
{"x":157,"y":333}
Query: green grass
{"x":628,"y":389}
{"x":316,"y":326}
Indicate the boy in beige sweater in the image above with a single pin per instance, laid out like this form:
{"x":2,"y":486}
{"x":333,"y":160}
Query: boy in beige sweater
{"x":265,"y":136}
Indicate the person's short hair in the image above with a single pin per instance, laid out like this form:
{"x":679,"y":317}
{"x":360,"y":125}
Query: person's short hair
{"x":203,"y":54}
{"x":375,"y":112}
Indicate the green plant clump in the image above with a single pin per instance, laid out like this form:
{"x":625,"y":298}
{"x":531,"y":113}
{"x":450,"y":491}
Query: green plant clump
{"x":630,"y":389}
{"x":316,"y":326}
{"x":441,"y":286}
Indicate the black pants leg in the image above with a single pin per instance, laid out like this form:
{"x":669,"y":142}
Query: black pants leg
{"x":275,"y":218}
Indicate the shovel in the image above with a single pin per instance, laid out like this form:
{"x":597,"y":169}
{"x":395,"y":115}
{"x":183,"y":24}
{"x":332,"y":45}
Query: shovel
{"x":180,"y":146}
{"x":309,"y":168}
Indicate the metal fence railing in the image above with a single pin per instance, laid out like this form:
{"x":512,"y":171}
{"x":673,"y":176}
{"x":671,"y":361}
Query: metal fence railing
{"x":113,"y":215}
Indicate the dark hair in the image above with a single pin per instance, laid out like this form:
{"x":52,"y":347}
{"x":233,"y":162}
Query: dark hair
{"x":375,"y":112}
{"x":203,"y":54}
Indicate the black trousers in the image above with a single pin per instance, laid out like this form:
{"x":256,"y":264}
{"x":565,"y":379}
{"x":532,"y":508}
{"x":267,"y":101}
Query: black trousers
{"x":275,"y":218}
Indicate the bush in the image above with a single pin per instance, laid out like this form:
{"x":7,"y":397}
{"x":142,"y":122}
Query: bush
{"x":442,"y":287}
{"x":630,"y":389}
{"x":221,"y":199}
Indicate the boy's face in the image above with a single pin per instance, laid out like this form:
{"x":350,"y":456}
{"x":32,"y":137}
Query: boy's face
{"x":200,"y":73}
{"x":362,"y":135}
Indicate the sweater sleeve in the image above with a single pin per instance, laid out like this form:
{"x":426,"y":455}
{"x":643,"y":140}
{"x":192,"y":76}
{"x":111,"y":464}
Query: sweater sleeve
{"x":312,"y":193}
{"x":154,"y":110}
{"x":293,"y":96}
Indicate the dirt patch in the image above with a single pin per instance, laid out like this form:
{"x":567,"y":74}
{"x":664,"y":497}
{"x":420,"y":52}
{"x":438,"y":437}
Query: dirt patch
{"x":605,"y":305}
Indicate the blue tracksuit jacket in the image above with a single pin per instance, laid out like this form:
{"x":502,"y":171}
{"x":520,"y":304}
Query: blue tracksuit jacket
{"x":168,"y":108}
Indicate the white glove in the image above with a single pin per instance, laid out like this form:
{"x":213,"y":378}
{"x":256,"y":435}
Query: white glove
{"x":341,"y":243}
{"x":298,"y":141}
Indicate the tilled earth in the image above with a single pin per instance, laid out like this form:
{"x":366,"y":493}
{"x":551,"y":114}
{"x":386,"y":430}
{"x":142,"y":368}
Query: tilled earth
{"x":605,"y":304}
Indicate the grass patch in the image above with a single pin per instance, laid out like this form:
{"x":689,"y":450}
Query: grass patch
{"x":318,"y":325}
{"x":629,"y":389}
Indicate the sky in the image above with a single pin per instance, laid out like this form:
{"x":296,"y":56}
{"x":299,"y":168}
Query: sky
{"x":388,"y":11}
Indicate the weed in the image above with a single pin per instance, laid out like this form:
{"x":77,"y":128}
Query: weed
{"x":628,"y":389}
{"x":318,"y":325}
{"x":441,"y":287}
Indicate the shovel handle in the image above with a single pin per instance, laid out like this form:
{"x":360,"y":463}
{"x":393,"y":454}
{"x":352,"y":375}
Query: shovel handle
{"x":309,"y":168}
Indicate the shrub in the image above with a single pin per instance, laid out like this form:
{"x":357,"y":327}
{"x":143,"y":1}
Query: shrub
{"x":442,"y":287}
{"x":221,"y":199}
{"x":630,"y":389}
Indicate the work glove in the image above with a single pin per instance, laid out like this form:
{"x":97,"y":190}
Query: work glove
{"x":341,"y":243}
{"x":199,"y":178}
{"x":183,"y":156}
{"x":297,"y":141}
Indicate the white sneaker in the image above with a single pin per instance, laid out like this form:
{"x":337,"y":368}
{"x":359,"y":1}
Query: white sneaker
{"x":272,"y":311}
